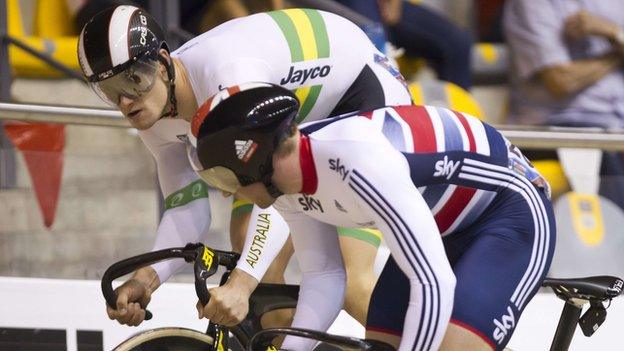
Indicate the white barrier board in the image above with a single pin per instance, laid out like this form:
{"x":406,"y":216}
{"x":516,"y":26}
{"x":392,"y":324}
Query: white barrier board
{"x":78,"y":305}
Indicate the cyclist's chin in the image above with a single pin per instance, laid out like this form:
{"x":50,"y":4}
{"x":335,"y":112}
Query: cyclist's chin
{"x":144,"y":120}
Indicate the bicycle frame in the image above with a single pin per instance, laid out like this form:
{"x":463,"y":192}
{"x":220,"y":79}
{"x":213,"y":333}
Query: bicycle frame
{"x":262,"y":340}
{"x":267,"y":297}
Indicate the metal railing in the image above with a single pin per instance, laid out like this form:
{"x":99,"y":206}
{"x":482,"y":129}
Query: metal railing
{"x":521,"y":136}
{"x":557,"y":137}
{"x":63,"y":115}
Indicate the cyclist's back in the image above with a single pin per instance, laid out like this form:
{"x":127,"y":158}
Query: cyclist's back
{"x":453,"y":160}
{"x":320,"y":55}
{"x":488,"y":202}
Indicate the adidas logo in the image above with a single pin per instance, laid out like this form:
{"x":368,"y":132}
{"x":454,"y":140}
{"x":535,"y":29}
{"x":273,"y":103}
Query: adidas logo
{"x":245,"y":149}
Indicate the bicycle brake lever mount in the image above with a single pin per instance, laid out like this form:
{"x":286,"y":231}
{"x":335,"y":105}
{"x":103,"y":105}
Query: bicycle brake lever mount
{"x":206,"y":265}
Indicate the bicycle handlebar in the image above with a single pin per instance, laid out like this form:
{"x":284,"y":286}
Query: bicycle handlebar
{"x":207,"y":261}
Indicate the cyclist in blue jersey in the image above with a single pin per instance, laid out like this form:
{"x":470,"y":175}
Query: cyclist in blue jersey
{"x":467,"y":219}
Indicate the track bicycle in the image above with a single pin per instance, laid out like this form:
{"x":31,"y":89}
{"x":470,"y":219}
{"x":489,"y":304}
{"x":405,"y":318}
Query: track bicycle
{"x":266,"y":298}
{"x":249,"y":334}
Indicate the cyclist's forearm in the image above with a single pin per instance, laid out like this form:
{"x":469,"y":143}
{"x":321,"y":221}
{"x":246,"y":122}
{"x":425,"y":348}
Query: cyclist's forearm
{"x":187,"y":209}
{"x":242,"y":281}
{"x":266,"y":234}
{"x":178,"y":227}
{"x":148,"y":276}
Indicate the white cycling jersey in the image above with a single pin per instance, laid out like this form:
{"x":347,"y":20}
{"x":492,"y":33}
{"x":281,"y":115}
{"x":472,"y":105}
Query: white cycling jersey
{"x":327,"y":60}
{"x":356,"y":178}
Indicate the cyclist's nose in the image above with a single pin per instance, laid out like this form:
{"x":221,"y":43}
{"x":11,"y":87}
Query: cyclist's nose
{"x":125,"y":102}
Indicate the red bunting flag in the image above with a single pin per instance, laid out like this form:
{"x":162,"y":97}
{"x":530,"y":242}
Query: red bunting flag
{"x":42,"y":146}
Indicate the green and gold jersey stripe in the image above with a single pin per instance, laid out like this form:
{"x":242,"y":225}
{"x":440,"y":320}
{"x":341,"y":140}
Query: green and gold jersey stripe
{"x":306,"y":35}
{"x":290,"y":33}
{"x":371,"y":236}
{"x":241,"y":207}
{"x":307,"y":96}
{"x":195,"y":190}
{"x":305,"y":32}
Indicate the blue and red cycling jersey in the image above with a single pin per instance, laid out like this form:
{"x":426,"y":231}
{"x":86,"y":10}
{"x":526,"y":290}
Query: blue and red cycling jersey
{"x":415,"y":173}
{"x":449,"y":154}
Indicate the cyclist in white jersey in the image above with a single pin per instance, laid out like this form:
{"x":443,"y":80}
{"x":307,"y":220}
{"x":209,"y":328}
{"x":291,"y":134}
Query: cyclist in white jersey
{"x":326,"y":60}
{"x":466,"y":217}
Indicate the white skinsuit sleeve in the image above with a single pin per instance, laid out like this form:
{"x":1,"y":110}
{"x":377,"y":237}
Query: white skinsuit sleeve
{"x":187,"y":209}
{"x":323,"y":277}
{"x":266,"y":234}
{"x":381,"y":183}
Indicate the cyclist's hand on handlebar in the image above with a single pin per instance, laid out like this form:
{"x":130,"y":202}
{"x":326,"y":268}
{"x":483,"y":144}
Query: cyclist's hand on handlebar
{"x":229,"y":303}
{"x":227,"y":306}
{"x":132,"y":298}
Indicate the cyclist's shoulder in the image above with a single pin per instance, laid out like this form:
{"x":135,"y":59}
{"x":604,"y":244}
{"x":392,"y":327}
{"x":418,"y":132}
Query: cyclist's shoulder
{"x":164,"y":132}
{"x":288,"y":207}
{"x":356,"y":140}
{"x":240,"y":35}
{"x":438,"y":128}
{"x":351,"y":127}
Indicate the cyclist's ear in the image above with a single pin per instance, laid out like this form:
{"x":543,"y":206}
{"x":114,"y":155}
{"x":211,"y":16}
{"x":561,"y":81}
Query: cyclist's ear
{"x":165,"y":57}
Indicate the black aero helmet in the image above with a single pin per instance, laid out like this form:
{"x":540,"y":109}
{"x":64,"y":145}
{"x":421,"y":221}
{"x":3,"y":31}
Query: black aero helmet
{"x":237,"y":131}
{"x":118,"y":54}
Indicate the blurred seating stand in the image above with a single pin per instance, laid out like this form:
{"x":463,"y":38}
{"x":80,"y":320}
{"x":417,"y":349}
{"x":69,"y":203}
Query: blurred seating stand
{"x":167,"y":13}
{"x":7,"y":155}
{"x":490,"y":63}
{"x":48,"y":52}
{"x":48,"y":48}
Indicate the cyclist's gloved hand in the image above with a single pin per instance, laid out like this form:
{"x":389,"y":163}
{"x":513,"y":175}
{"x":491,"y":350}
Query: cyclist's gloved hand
{"x":229,"y":303}
{"x":132,"y":298}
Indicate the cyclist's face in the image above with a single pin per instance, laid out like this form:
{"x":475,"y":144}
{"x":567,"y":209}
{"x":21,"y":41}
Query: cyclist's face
{"x":144,"y":111}
{"x":256,"y":193}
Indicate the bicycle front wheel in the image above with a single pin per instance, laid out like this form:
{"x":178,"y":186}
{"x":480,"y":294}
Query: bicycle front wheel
{"x":173,"y":339}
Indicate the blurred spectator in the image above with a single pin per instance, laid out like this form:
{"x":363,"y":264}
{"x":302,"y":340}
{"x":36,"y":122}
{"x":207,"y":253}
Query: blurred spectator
{"x":370,"y":10}
{"x":567,"y":59}
{"x":220,"y":11}
{"x":489,"y":15}
{"x":83,"y":10}
{"x":196,"y":16}
{"x":424,"y":33}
